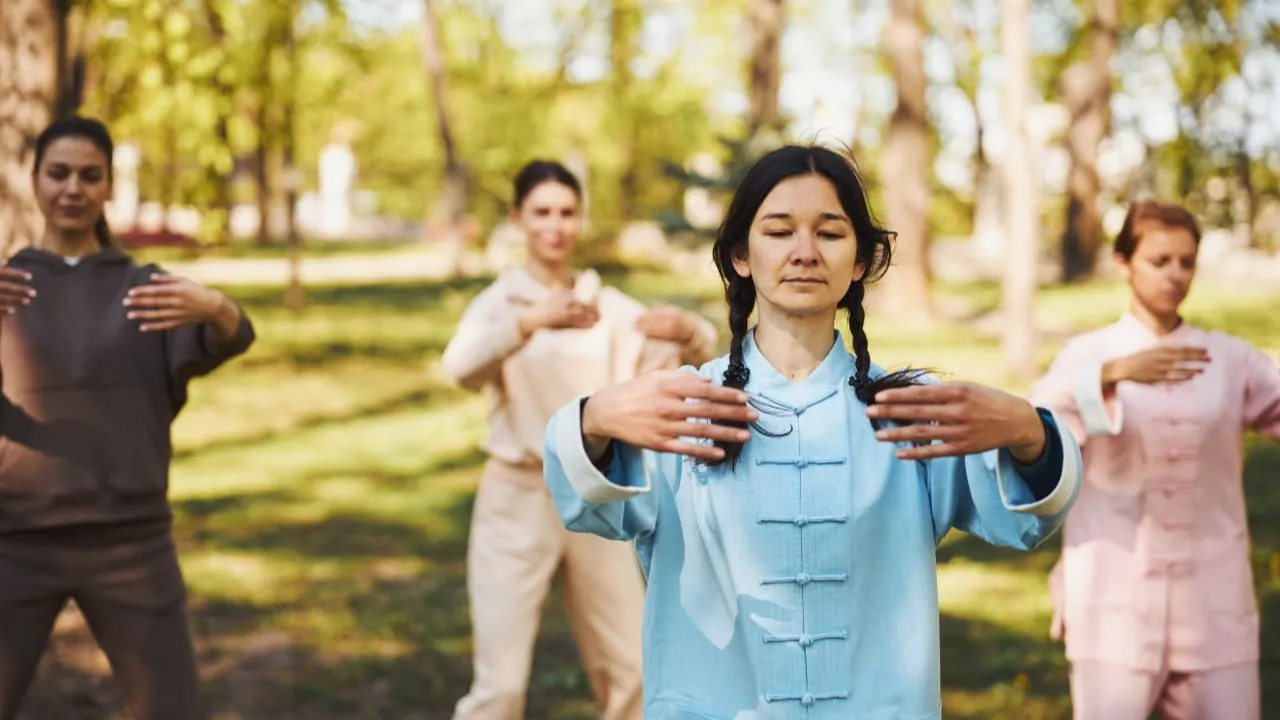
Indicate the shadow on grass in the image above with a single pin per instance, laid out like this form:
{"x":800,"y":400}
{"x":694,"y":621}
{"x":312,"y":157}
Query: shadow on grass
{"x":363,"y":643}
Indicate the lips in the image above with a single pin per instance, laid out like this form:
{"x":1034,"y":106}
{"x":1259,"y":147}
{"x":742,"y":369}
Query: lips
{"x":804,"y":281}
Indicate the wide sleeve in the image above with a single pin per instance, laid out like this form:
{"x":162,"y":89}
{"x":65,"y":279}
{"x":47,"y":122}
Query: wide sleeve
{"x":1261,"y":392}
{"x":620,"y":503}
{"x":992,"y":496}
{"x":1072,"y":388}
{"x":487,"y":334}
{"x":195,"y":350}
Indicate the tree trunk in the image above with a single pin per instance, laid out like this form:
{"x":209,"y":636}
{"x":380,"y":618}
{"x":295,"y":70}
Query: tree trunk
{"x":624,"y":28}
{"x":220,"y":206}
{"x":451,"y":206}
{"x":1020,"y":196}
{"x":766,"y":19}
{"x":294,"y":296}
{"x":29,"y":59}
{"x":262,"y":154}
{"x":905,"y":168}
{"x":1086,"y":89}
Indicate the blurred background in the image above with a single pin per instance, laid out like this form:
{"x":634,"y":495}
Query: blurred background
{"x":343,"y":168}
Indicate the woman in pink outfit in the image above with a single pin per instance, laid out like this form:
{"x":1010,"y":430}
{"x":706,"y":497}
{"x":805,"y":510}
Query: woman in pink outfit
{"x":1154,"y":594}
{"x":538,"y":337}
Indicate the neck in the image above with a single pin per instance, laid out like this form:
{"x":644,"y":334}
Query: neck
{"x":794,"y":346}
{"x":1159,"y":323}
{"x":70,"y":245}
{"x":556,"y":276}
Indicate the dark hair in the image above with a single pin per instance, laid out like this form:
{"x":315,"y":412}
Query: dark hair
{"x":540,"y":171}
{"x":1145,"y":214}
{"x":89,"y":129}
{"x":875,"y":250}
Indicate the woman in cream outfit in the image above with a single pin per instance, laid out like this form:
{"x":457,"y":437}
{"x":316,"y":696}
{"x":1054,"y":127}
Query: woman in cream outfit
{"x":539,"y":336}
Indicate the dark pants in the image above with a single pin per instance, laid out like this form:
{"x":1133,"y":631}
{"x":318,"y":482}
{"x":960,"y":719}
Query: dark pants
{"x":128,"y":586}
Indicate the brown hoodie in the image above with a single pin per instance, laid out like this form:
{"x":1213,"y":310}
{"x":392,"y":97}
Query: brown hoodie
{"x":88,"y":398}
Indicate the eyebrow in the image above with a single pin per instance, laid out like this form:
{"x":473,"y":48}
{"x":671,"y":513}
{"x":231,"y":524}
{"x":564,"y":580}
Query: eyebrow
{"x":823,"y":216}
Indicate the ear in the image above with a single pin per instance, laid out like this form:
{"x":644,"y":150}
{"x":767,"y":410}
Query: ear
{"x":1123,"y":268}
{"x":514,"y":214}
{"x":859,"y":272}
{"x":740,"y":264}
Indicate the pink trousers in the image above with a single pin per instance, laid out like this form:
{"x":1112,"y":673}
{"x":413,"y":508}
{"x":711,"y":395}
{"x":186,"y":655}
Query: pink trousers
{"x":1103,"y":691}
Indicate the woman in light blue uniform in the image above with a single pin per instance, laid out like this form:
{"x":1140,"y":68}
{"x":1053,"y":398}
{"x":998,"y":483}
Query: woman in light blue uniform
{"x":787,"y":515}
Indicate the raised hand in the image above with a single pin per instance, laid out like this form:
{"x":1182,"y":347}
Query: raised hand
{"x":965,"y":418}
{"x":559,"y":311}
{"x":171,"y":301}
{"x":15,"y":290}
{"x":665,"y":322}
{"x":1164,"y":363}
{"x":653,"y":411}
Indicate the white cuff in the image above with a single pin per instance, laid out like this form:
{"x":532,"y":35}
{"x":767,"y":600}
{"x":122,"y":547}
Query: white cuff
{"x":590,"y":484}
{"x":1068,"y":483}
{"x":1092,"y":406}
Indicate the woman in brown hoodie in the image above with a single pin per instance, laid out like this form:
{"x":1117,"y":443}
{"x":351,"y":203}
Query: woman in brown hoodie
{"x":95,"y":356}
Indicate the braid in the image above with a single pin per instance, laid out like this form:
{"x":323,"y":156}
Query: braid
{"x":862,"y":354}
{"x":864,"y":386}
{"x":741,"y":296}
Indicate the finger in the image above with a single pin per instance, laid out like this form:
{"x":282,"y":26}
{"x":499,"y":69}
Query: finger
{"x":153,"y":300}
{"x":14,"y":273}
{"x":166,"y":278}
{"x":164,"y":314}
{"x":1185,"y":352}
{"x":726,"y":433}
{"x":161,"y":326}
{"x":151,"y":290}
{"x":700,"y":389}
{"x":17,"y":290}
{"x":693,"y":450}
{"x":928,"y":452}
{"x":739,"y":412}
{"x":926,"y":413}
{"x":1181,"y":375}
{"x":933,"y":393}
{"x":920,"y":432}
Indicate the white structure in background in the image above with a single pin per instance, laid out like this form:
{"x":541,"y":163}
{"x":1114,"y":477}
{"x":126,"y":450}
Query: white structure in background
{"x":701,"y":208}
{"x":122,"y":211}
{"x":642,"y":242}
{"x":337,"y":181}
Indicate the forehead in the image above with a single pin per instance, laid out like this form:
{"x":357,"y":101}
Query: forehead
{"x":551,"y":193}
{"x":1165,"y":240}
{"x":803,"y":196}
{"x":75,"y":152}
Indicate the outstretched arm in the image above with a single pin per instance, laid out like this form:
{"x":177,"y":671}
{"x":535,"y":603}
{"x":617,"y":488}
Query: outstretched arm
{"x":605,"y":454}
{"x":997,"y":467}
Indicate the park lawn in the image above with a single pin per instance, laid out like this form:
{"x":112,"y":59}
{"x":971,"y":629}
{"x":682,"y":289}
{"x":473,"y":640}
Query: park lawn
{"x":323,"y":486}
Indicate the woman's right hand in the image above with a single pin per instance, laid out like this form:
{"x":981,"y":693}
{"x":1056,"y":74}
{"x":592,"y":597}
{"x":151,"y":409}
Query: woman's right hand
{"x":653,"y":411}
{"x":15,"y":289}
{"x":558,"y":311}
{"x":1165,"y":363}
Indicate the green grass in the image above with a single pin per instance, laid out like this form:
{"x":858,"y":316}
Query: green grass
{"x":323,"y":487}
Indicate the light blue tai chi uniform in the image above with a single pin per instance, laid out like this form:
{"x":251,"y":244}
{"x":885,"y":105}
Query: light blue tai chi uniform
{"x":802,"y":584}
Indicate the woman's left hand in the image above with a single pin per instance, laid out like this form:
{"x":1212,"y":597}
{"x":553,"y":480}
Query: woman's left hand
{"x":665,"y":322}
{"x":966,"y":418}
{"x":172,"y":301}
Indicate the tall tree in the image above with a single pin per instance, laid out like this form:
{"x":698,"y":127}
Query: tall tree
{"x":766,"y":20}
{"x":905,"y":166}
{"x":29,"y":61}
{"x":1020,"y":197}
{"x":625,"y":22}
{"x":1086,"y":92}
{"x":451,"y":206}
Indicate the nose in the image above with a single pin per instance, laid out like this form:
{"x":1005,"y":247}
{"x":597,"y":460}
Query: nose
{"x":804,"y":251}
{"x":73,"y":185}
